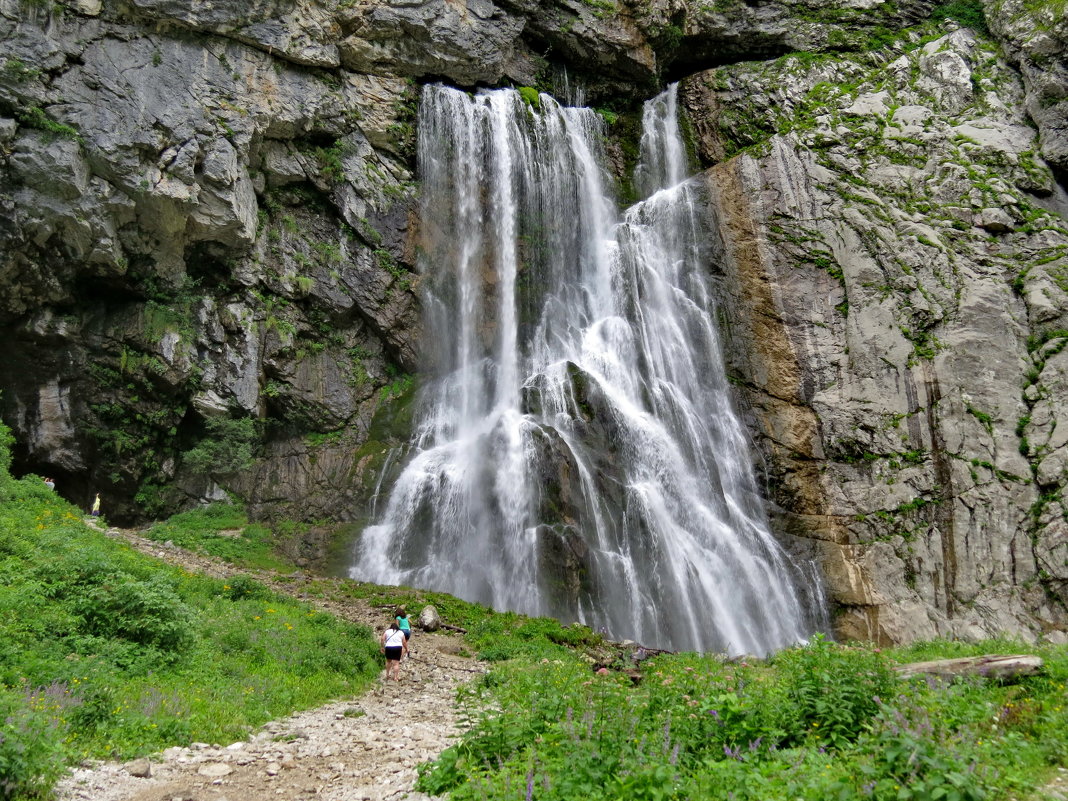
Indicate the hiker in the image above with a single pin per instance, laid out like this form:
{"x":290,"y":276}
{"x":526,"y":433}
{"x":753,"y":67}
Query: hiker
{"x":50,"y":483}
{"x":404,"y":623}
{"x":394,"y":646}
{"x":96,"y":506}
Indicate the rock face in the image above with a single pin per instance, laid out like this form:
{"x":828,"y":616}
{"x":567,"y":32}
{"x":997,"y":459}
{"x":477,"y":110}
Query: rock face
{"x":196,"y":229}
{"x":209,"y":229}
{"x":1036,"y":39}
{"x":894,"y":262}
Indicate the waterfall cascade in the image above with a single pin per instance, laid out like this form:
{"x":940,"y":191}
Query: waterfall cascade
{"x":577,"y":454}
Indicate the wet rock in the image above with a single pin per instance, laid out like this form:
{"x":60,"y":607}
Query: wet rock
{"x":888,"y":417}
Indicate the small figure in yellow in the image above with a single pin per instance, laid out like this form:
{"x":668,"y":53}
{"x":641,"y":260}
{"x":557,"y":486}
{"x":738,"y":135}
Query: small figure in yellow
{"x":96,"y":506}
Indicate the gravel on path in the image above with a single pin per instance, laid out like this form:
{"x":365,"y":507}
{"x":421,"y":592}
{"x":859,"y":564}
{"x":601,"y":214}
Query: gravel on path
{"x":362,"y":749}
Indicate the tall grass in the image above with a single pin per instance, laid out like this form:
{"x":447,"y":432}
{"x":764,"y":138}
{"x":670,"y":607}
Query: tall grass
{"x":107,"y":653}
{"x":822,"y":722}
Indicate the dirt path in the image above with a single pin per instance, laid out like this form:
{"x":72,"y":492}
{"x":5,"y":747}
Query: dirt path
{"x":365,"y":748}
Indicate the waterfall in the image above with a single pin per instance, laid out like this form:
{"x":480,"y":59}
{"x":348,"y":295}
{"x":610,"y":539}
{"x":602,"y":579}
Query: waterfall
{"x":576,"y":453}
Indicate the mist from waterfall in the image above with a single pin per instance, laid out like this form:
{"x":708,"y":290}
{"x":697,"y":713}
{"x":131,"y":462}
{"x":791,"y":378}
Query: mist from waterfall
{"x":576,"y":453}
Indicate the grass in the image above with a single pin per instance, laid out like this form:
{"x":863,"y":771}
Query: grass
{"x":223,"y":530}
{"x":106,"y":653}
{"x":821,"y":722}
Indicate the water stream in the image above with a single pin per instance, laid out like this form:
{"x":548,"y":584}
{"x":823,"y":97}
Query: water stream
{"x":576,"y":453}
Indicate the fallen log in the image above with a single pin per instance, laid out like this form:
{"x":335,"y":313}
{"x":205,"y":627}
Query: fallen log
{"x":991,"y":666}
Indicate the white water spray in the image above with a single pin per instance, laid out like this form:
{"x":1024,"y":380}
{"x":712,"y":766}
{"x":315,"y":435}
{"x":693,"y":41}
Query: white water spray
{"x":577,"y":454}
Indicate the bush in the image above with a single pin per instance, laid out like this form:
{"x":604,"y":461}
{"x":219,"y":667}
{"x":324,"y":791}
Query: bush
{"x":832,"y":691}
{"x":969,"y":13}
{"x":31,"y":751}
{"x":241,"y":586}
{"x":145,"y":612}
{"x":6,"y":441}
{"x":227,"y":448}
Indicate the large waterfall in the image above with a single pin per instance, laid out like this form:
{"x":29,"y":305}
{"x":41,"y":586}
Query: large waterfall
{"x":576,"y":453}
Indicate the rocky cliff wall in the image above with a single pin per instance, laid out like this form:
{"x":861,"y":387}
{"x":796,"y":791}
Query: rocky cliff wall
{"x":209,"y":230}
{"x":205,"y":214}
{"x":895,"y":254}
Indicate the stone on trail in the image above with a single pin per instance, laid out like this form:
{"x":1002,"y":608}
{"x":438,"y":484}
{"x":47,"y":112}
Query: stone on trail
{"x":141,"y":768}
{"x":215,"y":770}
{"x":429,"y":620}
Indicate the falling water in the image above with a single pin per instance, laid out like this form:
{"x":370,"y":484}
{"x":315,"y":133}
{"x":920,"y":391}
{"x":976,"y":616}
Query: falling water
{"x":577,"y":454}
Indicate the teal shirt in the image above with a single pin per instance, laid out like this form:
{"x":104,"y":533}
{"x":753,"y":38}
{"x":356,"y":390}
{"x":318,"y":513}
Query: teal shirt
{"x":404,"y":623}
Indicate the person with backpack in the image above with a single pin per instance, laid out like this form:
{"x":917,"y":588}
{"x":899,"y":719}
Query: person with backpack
{"x":394,"y":646}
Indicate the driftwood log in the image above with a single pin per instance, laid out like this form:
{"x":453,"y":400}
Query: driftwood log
{"x":991,"y":666}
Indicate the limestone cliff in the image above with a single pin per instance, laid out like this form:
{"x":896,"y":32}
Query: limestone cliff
{"x":896,"y":247}
{"x":208,"y":228}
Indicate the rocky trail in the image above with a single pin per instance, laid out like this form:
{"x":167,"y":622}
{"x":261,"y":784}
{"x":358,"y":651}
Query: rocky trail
{"x":347,"y":750}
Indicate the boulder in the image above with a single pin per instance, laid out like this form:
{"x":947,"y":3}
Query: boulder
{"x":429,"y":620}
{"x":141,"y":768}
{"x":996,"y":221}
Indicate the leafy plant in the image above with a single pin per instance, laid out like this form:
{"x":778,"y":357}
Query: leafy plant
{"x":31,"y":749}
{"x":227,"y":447}
{"x":969,"y":13}
{"x":146,"y":612}
{"x":833,"y":691}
